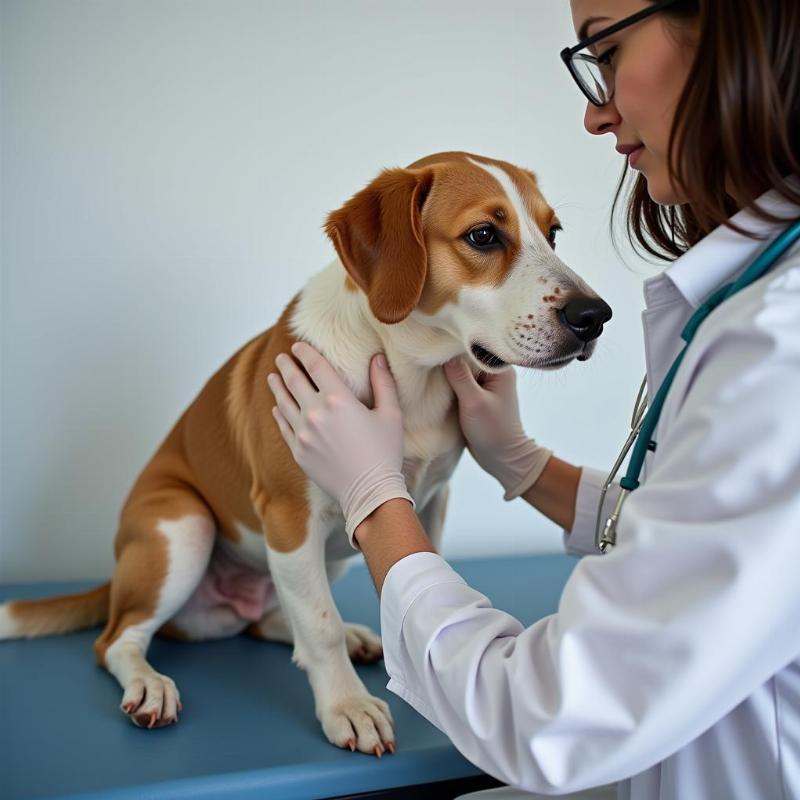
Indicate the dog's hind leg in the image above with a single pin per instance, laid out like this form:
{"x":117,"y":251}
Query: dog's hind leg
{"x":163,"y":549}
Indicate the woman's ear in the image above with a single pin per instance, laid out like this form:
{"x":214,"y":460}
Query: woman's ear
{"x":378,"y":236}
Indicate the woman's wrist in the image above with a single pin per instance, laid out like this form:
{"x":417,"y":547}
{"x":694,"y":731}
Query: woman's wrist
{"x":555,"y":491}
{"x":368,"y":492}
{"x":391,"y":532}
{"x":523,"y":464}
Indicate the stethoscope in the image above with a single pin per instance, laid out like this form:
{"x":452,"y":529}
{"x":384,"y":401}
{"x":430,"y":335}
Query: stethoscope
{"x":644,"y":419}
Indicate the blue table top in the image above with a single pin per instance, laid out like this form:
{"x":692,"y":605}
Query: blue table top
{"x":248,"y":727}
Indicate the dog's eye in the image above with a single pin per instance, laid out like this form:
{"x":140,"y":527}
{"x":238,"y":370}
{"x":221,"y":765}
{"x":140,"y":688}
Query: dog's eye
{"x":551,"y":236}
{"x":483,"y":236}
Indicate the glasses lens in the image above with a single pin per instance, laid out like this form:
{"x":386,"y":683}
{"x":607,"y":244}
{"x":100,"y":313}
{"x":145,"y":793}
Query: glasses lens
{"x":595,"y":80}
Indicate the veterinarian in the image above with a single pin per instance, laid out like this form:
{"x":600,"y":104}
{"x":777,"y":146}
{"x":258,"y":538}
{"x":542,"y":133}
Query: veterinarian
{"x":673,"y":663}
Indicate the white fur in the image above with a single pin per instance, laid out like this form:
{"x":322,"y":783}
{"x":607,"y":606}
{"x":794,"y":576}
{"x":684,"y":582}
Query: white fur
{"x":531,"y":238}
{"x":342,"y":703}
{"x":190,"y":542}
{"x":8,"y":626}
{"x":248,"y":550}
{"x":339,"y":323}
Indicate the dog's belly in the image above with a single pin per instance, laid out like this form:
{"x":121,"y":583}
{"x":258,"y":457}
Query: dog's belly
{"x":229,"y":596}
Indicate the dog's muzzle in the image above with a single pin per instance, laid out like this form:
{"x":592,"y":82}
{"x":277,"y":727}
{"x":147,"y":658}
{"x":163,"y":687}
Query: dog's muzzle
{"x":585,"y":317}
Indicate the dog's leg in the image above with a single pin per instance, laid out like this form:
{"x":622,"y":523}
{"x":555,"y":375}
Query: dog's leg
{"x":363,"y":644}
{"x":272,"y":627}
{"x":350,"y":716}
{"x":162,"y":553}
{"x":433,"y":514}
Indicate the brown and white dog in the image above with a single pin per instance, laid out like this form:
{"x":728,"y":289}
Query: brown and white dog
{"x":223,"y":533}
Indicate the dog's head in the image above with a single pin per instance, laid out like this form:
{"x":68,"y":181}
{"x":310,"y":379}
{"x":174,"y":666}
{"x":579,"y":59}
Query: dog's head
{"x":466,"y":244}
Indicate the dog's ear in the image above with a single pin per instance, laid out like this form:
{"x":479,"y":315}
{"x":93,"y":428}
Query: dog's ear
{"x":378,"y":236}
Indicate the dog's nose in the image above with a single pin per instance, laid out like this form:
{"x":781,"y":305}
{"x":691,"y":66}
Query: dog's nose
{"x":585,"y":317}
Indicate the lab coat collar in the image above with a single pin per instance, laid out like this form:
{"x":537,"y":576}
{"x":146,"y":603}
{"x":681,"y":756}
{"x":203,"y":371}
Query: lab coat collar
{"x":722,"y":254}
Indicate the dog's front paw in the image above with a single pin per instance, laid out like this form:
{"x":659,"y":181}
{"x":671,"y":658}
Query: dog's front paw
{"x":363,"y":644}
{"x":360,"y":722}
{"x":151,"y":701}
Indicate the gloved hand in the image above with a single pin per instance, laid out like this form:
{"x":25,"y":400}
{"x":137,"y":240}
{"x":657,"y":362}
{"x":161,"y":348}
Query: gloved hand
{"x":489,"y":415}
{"x":352,"y":452}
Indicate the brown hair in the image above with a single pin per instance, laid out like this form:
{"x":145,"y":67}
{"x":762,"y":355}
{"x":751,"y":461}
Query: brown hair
{"x":736,"y":131}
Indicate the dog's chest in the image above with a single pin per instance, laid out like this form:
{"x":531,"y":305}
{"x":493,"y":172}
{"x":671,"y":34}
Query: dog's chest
{"x":430,"y":456}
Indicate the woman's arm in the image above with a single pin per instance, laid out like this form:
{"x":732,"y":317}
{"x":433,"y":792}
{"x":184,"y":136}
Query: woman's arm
{"x":393,"y":531}
{"x":555,"y":492}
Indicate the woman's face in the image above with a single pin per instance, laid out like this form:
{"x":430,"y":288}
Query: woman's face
{"x":650,"y":64}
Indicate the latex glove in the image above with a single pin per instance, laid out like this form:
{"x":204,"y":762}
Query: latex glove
{"x":352,"y":452}
{"x":489,"y":415}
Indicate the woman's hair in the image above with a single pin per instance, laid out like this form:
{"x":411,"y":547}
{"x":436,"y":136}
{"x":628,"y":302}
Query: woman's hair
{"x":736,"y":131}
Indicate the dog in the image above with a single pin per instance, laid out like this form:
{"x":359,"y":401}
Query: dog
{"x":222,"y":533}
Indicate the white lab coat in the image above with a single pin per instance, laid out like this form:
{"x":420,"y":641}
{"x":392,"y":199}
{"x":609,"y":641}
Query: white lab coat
{"x":673,"y":664}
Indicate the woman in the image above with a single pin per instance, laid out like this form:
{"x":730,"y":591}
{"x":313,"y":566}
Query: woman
{"x":673,"y":663}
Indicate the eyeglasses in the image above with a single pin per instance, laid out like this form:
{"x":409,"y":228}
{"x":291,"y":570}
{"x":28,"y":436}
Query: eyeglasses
{"x":595,"y":74}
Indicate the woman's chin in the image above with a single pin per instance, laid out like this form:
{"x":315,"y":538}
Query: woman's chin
{"x":661,"y":190}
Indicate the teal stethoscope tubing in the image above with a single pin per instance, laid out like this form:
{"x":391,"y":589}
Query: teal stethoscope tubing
{"x":644,"y":440}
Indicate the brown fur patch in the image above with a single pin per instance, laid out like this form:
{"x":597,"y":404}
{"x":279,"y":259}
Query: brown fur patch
{"x":216,"y":462}
{"x":54,"y":615}
{"x":461,"y":198}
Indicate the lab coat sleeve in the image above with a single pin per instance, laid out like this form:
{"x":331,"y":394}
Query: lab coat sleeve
{"x":652,"y":644}
{"x":579,"y":540}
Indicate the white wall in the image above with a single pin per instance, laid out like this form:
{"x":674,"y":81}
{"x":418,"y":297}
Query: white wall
{"x":166,"y":168}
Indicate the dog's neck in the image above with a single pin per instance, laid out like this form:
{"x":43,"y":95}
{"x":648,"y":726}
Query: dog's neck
{"x":337,"y":321}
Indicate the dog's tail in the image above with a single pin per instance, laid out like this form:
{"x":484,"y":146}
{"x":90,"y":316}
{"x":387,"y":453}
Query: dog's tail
{"x":28,"y":619}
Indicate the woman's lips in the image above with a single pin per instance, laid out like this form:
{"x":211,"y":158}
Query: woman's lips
{"x":634,"y":155}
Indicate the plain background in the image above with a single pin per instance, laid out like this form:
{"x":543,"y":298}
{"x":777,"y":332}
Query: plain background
{"x":166,"y":169}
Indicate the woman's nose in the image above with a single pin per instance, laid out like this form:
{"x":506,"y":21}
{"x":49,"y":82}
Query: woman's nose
{"x":601,"y":119}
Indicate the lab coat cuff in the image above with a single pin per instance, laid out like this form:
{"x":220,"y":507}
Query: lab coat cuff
{"x":399,"y":688}
{"x":579,"y":541}
{"x":406,"y":580}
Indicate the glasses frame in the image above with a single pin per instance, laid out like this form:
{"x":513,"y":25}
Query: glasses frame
{"x":568,"y":52}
